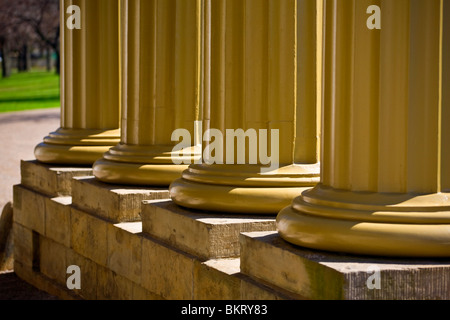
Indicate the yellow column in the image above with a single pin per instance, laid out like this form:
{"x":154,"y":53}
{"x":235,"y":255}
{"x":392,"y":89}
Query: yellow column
{"x":90,"y":109}
{"x":262,"y":71}
{"x":161,"y":85}
{"x":385,"y":184}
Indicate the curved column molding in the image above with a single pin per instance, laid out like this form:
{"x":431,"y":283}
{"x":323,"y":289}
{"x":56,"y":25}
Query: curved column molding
{"x":262,"y":71}
{"x":385,"y":184}
{"x":161,"y":89}
{"x":90,"y":108}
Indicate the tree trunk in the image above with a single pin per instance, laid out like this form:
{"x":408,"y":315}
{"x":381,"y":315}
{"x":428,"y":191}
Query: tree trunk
{"x":6,"y":60}
{"x":57,"y":49}
{"x":24,"y":59}
{"x":20,"y":60}
{"x":58,"y":62}
{"x":27,"y":58}
{"x":48,"y":58}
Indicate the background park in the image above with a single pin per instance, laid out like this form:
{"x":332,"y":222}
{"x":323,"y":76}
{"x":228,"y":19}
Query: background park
{"x":29,"y":104}
{"x":29,"y":54}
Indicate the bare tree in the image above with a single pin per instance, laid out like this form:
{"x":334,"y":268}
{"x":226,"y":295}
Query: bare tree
{"x":22,"y":39}
{"x":42,"y":16}
{"x":5,"y":55}
{"x":24,"y":23}
{"x":6,"y":34}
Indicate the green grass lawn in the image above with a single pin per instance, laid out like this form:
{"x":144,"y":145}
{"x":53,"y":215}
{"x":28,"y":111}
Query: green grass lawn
{"x":29,"y":90}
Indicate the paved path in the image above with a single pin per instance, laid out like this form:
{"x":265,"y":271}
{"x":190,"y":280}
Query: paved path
{"x":20,"y":132}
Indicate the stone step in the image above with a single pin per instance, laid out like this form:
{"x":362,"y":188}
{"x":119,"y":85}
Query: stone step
{"x":323,"y":275}
{"x":52,"y":180}
{"x":113,"y":202}
{"x":202,"y":234}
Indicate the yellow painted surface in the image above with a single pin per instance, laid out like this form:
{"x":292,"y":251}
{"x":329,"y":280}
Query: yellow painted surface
{"x":376,"y":100}
{"x":161,"y":90}
{"x":90,"y":108}
{"x":263,"y":71}
{"x":384,"y":184}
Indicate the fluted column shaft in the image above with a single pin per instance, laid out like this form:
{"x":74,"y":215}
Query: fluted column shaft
{"x":161,"y":90}
{"x":90,"y":108}
{"x":263,"y":72}
{"x":385,"y":177}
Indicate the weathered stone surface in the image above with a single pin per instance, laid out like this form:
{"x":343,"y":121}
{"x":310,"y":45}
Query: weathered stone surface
{"x":23,"y":245}
{"x":52,"y":180}
{"x":221,"y":279}
{"x":111,"y":286}
{"x":47,"y":216}
{"x":29,"y":208}
{"x":207,"y":236}
{"x":52,"y":260}
{"x":89,"y":236}
{"x":6,"y":238}
{"x":125,"y":250}
{"x":57,"y":219}
{"x":217,"y":279}
{"x":165,"y":271}
{"x":88,"y":270}
{"x":113,"y":202}
{"x":43,"y":283}
{"x":322,"y":275}
{"x":256,"y":290}
{"x":140,"y":293}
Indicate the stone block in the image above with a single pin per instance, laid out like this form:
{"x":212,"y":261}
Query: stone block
{"x":205,"y":235}
{"x":24,"y":246}
{"x":52,"y":259}
{"x":256,"y":290}
{"x":111,"y":286}
{"x":29,"y":208}
{"x":52,"y":180}
{"x":43,"y":283}
{"x":217,"y":279}
{"x":88,"y":270}
{"x":166,"y":271}
{"x":125,"y":250}
{"x":89,"y":236}
{"x":57,"y":219}
{"x":113,"y":202}
{"x":322,"y":275}
{"x":221,"y":279}
{"x":140,"y":293}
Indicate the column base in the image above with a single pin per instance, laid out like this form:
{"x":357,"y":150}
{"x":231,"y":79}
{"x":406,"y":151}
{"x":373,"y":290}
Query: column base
{"x":76,"y":146}
{"x":242,"y":188}
{"x":400,"y":225}
{"x":140,"y":165}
